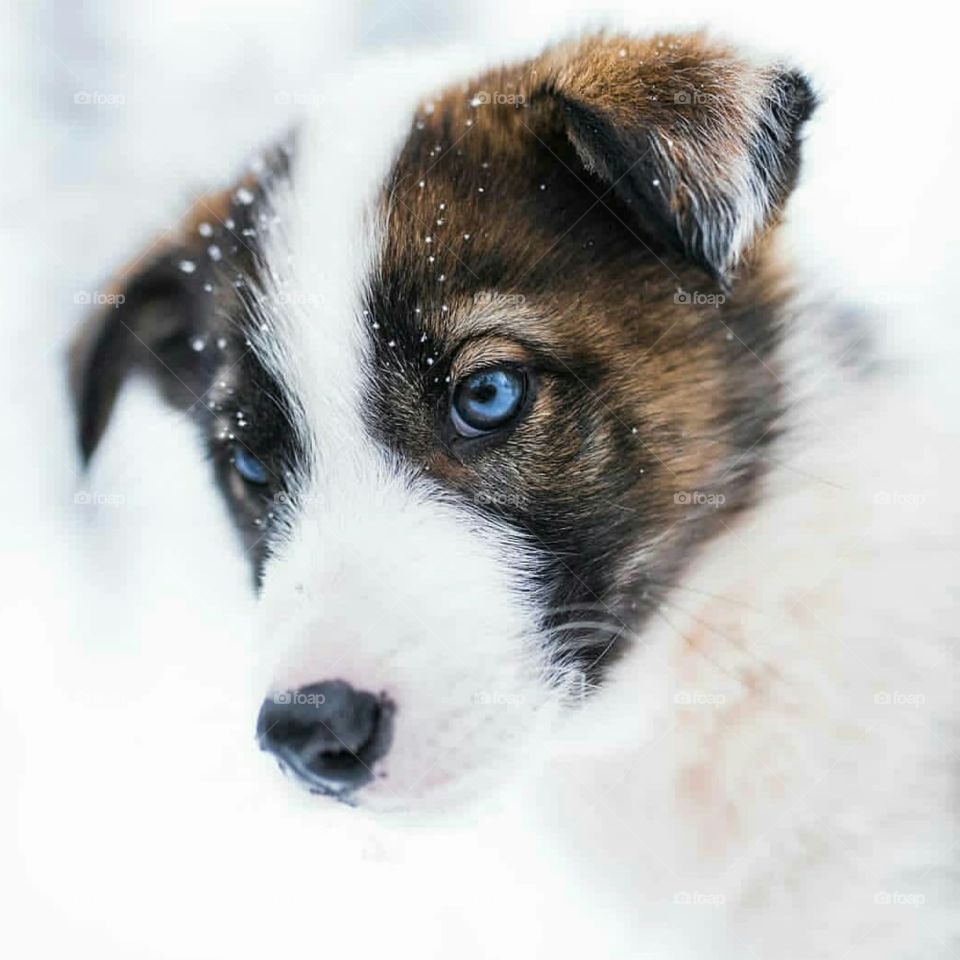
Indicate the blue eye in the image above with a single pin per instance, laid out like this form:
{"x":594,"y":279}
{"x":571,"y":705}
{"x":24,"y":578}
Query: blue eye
{"x":249,"y":467}
{"x":487,"y":400}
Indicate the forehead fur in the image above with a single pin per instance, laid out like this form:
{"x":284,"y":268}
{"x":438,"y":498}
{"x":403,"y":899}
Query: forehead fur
{"x":699,"y":144}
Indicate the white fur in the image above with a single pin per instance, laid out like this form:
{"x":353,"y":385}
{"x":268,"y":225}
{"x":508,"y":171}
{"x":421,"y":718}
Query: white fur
{"x":772,"y":773}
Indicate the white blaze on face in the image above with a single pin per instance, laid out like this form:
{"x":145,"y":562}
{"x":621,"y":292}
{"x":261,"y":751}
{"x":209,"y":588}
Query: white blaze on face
{"x":386,"y":582}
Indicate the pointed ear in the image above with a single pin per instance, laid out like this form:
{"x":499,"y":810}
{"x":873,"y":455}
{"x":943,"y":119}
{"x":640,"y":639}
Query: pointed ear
{"x":701,"y":146}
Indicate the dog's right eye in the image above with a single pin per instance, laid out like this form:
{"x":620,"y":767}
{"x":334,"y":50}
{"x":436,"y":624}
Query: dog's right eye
{"x":249,"y":467}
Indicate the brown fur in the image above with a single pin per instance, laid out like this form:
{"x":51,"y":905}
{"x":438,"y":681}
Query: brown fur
{"x":503,"y":235}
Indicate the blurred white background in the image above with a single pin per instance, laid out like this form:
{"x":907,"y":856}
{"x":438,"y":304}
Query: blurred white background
{"x":123,"y":632}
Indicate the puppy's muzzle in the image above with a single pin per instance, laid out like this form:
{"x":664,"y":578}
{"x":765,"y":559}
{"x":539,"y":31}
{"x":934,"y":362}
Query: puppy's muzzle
{"x":327,"y":735}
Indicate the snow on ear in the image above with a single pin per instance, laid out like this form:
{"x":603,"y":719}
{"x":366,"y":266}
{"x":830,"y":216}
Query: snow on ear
{"x":161,"y":308}
{"x":699,"y":144}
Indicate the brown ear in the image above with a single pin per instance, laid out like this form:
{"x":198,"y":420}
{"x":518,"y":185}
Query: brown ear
{"x":145,"y":325}
{"x":178,"y":295}
{"x":699,"y":144}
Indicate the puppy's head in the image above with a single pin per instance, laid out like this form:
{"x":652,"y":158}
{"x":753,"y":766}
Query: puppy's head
{"x":473,"y":410}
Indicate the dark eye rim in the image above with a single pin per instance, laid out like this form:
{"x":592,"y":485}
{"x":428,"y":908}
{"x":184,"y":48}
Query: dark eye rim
{"x":474,"y":439}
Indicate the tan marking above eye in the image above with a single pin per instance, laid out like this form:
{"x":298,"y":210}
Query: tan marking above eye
{"x":487,"y":352}
{"x":491,"y":313}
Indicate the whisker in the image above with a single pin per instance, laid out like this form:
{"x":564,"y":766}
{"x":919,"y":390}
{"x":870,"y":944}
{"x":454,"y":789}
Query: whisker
{"x":672,"y":587}
{"x":577,"y":624}
{"x":768,"y":668}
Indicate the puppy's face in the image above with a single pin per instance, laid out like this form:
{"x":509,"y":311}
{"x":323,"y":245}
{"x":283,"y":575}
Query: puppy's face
{"x":472,"y":415}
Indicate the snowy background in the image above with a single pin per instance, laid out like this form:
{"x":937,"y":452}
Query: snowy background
{"x":136,"y":820}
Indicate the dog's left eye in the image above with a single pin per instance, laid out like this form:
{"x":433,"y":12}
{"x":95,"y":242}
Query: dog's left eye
{"x":249,"y":467}
{"x":487,"y":400}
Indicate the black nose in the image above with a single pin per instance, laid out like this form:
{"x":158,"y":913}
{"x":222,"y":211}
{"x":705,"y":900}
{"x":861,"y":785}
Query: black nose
{"x":327,"y":734}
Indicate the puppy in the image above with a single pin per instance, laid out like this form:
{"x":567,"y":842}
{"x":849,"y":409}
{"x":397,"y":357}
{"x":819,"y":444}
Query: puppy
{"x":540,"y":465}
